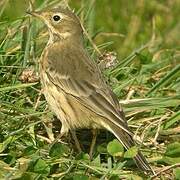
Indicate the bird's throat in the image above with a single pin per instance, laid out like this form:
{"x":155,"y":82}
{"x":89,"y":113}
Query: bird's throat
{"x":51,"y":38}
{"x":56,"y":36}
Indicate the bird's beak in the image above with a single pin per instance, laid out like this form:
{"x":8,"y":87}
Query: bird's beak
{"x":40,"y":16}
{"x":33,"y":13}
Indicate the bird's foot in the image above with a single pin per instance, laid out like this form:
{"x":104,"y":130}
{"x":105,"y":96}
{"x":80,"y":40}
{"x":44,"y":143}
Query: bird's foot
{"x":93,"y":143}
{"x":76,"y":141}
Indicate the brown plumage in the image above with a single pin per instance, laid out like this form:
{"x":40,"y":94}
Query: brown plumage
{"x":73,"y":85}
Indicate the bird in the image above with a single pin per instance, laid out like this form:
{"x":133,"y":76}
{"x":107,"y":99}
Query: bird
{"x":74,"y":86}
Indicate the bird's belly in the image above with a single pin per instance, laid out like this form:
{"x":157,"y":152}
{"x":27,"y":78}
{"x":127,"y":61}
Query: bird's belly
{"x":67,"y":108}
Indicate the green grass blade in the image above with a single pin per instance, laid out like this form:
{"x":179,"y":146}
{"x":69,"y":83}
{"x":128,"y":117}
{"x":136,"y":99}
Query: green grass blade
{"x":17,"y":86}
{"x":166,"y":79}
{"x":172,"y":120}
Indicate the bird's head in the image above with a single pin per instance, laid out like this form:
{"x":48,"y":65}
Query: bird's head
{"x":61,"y":22}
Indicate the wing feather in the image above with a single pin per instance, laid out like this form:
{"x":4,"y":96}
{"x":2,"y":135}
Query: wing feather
{"x":84,"y":82}
{"x":93,"y":98}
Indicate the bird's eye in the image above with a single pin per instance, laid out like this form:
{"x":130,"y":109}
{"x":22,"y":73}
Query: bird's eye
{"x":56,"y":18}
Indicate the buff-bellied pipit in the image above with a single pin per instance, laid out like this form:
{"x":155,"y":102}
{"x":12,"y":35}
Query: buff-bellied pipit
{"x":73,"y":84}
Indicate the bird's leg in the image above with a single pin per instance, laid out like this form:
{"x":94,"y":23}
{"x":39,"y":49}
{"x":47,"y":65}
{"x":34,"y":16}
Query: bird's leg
{"x":58,"y":139}
{"x":64,"y":132}
{"x":93,"y":142}
{"x":77,"y":144}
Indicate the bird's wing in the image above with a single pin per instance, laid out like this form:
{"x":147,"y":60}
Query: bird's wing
{"x":88,"y":87}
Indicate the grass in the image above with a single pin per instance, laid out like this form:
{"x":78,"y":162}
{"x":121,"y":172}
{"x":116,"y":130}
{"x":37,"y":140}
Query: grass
{"x":146,"y":79}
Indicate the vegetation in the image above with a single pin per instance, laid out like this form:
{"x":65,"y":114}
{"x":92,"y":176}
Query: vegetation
{"x":144,"y":34}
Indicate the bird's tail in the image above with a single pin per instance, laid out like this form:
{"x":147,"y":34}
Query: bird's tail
{"x":128,"y":142}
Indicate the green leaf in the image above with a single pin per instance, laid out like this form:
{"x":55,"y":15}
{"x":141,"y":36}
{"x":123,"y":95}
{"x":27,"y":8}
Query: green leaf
{"x":41,"y":167}
{"x":144,"y":59}
{"x":131,"y":152}
{"x":115,"y":148}
{"x":177,"y":173}
{"x":115,"y":177}
{"x":173,"y":150}
{"x":29,"y":150}
{"x":80,"y":177}
{"x":58,"y":150}
{"x":27,"y":176}
{"x":96,"y":161}
{"x":170,"y":160}
{"x":102,"y":148}
{"x":83,"y":156}
{"x":5,"y":143}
